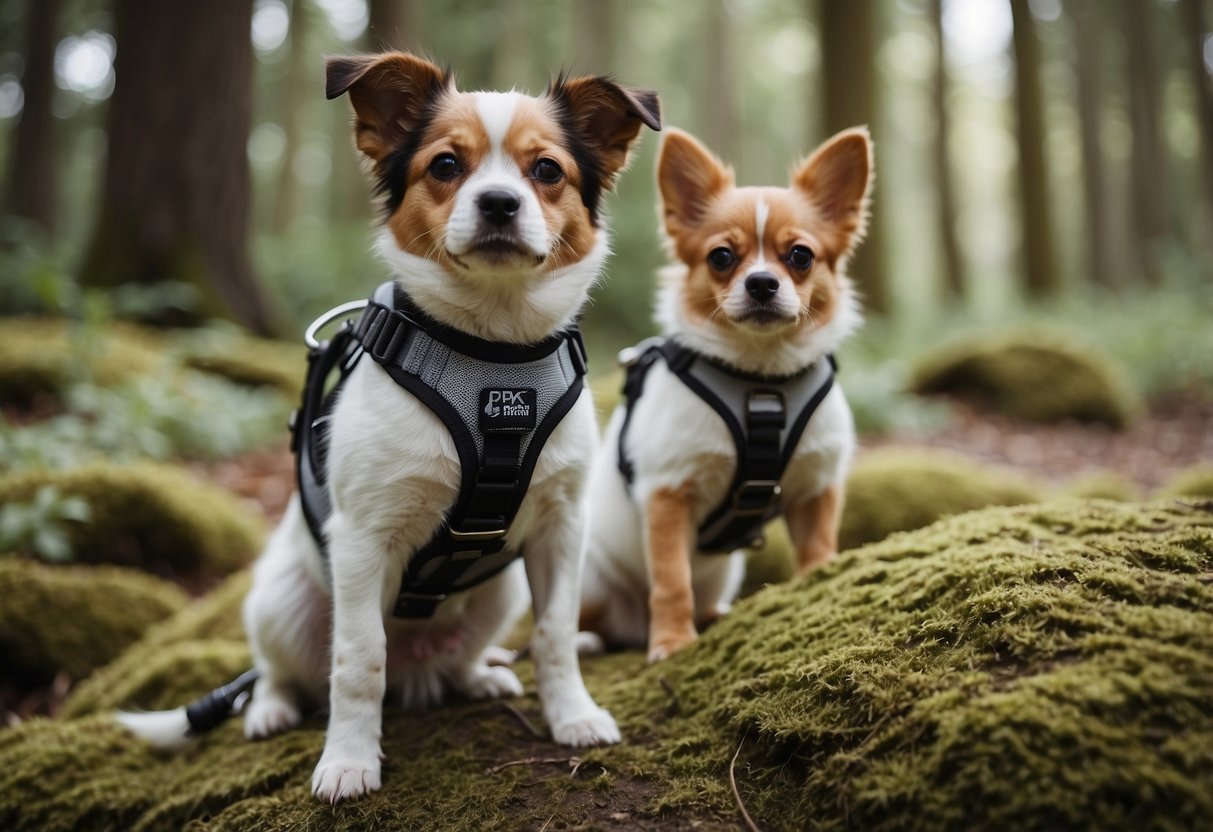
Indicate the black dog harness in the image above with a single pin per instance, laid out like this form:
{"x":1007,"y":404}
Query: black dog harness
{"x":765,"y":415}
{"x":500,"y":403}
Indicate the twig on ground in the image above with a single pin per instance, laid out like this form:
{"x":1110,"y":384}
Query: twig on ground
{"x":533,"y":761}
{"x":749,"y":821}
{"x":526,"y":723}
{"x":1203,"y":505}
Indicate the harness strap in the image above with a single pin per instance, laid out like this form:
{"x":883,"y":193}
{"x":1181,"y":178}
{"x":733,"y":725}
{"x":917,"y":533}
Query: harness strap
{"x":470,"y":545}
{"x":756,"y":411}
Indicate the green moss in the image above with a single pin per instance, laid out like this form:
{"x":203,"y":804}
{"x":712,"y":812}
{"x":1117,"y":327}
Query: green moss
{"x":213,"y":622}
{"x":771,"y":563}
{"x":74,"y":619}
{"x":1034,"y":375}
{"x":893,"y":490}
{"x":1030,"y":667}
{"x":247,"y":360}
{"x":1102,"y":485}
{"x":156,"y":517}
{"x":40,"y":357}
{"x":1196,"y":481}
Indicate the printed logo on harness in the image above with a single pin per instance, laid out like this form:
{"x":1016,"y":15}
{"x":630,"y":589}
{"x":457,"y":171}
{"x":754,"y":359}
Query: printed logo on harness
{"x":503,"y":408}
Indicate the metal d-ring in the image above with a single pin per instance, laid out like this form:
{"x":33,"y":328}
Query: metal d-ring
{"x":309,"y":336}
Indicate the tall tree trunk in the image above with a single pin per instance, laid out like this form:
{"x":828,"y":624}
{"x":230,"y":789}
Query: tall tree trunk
{"x":953,"y":262}
{"x":721,"y":101}
{"x":1041,"y":277}
{"x":848,"y":52}
{"x":31,"y":179}
{"x":302,"y":70}
{"x":594,"y":33}
{"x":1148,"y":168}
{"x":393,"y":24}
{"x":175,"y":203}
{"x":1089,"y":35}
{"x":512,"y":58}
{"x":1196,"y":29}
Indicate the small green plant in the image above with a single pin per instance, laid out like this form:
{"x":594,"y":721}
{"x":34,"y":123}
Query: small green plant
{"x":39,"y":526}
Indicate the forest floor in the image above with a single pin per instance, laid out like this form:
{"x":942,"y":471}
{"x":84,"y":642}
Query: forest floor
{"x":1174,"y":434}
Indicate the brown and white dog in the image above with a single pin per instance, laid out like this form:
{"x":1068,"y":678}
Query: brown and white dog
{"x":758,"y":284}
{"x":494,"y":227}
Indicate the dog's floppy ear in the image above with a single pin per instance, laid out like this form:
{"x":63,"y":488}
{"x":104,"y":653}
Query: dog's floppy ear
{"x":689,"y":176}
{"x":836,"y":179}
{"x":606,"y":117}
{"x":389,"y":91}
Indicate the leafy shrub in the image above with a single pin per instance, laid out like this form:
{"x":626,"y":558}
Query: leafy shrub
{"x":38,"y":527}
{"x":155,"y":517}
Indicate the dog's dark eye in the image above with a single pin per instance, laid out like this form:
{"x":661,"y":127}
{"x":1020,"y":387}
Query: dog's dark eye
{"x":445,"y":167}
{"x":800,"y":258}
{"x":547,"y":171}
{"x":720,"y":258}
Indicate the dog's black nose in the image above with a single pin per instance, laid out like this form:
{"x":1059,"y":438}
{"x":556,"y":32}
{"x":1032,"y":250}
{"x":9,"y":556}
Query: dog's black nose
{"x":762,"y":286}
{"x":498,"y":207}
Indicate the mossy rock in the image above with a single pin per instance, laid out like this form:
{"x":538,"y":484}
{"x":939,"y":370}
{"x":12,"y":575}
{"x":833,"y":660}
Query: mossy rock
{"x":1045,"y":666}
{"x":213,"y":622}
{"x":247,"y":360}
{"x":893,"y":490}
{"x":40,"y":357}
{"x":1102,"y":485}
{"x":74,"y":618}
{"x":1196,"y":481}
{"x":155,"y":517}
{"x":1033,"y":375}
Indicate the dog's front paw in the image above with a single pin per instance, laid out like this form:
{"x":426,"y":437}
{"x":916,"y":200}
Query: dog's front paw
{"x":594,"y":728}
{"x":340,"y":780}
{"x":490,"y":682}
{"x":667,"y":645}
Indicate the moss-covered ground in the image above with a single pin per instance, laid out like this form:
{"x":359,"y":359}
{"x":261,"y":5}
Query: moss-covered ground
{"x":1029,"y":667}
{"x":154,"y":517}
{"x":1035,"y":375}
{"x":74,"y":619}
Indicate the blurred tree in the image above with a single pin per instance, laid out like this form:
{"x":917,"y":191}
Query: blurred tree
{"x":302,"y":70}
{"x":31,"y":175}
{"x":393,"y":24}
{"x":1196,"y":30}
{"x":954,"y":276}
{"x":175,"y":201}
{"x":720,"y":100}
{"x":1148,"y":169}
{"x":848,"y":54}
{"x":594,"y":23}
{"x":1041,"y":276}
{"x":512,"y":58}
{"x":1089,"y":66}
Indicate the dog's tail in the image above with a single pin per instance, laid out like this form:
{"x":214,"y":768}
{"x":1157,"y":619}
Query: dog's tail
{"x":172,"y":729}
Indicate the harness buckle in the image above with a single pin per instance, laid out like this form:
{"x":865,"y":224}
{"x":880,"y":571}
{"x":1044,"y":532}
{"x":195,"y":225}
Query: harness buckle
{"x":630,"y":356}
{"x":490,"y":534}
{"x":405,"y":596}
{"x":769,"y":490}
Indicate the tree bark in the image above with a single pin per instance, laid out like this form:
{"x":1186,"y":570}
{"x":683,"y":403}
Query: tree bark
{"x":31,"y":179}
{"x":720,"y":104}
{"x":953,"y":262}
{"x":1196,"y":29}
{"x":1089,"y":67}
{"x":1041,"y":277}
{"x":302,"y":69}
{"x":1148,"y":169}
{"x":175,"y":202}
{"x":393,"y":24}
{"x":594,"y":33}
{"x":848,"y":52}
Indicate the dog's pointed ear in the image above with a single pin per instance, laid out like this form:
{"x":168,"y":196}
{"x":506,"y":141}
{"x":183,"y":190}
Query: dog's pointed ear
{"x":390,"y":93}
{"x":837,"y":178}
{"x":606,"y":118}
{"x":689,"y":176}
